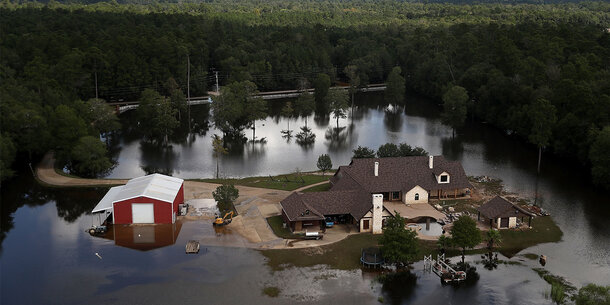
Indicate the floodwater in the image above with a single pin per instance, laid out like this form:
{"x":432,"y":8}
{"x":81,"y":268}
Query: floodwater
{"x":47,"y":258}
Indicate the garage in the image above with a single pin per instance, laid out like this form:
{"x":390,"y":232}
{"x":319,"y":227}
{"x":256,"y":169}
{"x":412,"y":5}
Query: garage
{"x":143,"y":213}
{"x":149,"y":199}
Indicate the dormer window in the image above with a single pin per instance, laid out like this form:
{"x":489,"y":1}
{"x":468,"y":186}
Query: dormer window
{"x":444,"y":178}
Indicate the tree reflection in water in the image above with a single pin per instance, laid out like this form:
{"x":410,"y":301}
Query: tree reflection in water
{"x":336,"y":137}
{"x":398,"y":286}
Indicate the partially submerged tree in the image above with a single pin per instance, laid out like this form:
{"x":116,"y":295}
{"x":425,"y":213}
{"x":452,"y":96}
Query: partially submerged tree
{"x":287,"y":112}
{"x":103,"y":118}
{"x":324,"y":163}
{"x":354,"y":82}
{"x":225,"y":195}
{"x":236,"y":107}
{"x":219,"y":150}
{"x":156,"y":116}
{"x":465,"y":234}
{"x":543,"y":118}
{"x":395,"y":87}
{"x":600,"y":158}
{"x":337,"y":99}
{"x":363,"y":152}
{"x":455,"y":107}
{"x":321,"y":86}
{"x":304,"y":105}
{"x":398,"y":244}
{"x":88,"y":157}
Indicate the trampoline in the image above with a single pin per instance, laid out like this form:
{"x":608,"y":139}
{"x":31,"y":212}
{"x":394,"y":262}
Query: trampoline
{"x":371,"y":257}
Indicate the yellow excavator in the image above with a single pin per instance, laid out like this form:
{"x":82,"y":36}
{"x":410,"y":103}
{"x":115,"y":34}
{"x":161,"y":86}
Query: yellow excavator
{"x":224,"y":220}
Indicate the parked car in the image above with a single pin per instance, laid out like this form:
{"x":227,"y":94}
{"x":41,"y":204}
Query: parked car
{"x":329,"y":222}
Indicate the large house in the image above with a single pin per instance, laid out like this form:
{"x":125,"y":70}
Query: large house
{"x":358,"y":191}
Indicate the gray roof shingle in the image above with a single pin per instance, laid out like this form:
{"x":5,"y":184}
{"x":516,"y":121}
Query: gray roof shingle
{"x":400,"y":174}
{"x":499,"y":207}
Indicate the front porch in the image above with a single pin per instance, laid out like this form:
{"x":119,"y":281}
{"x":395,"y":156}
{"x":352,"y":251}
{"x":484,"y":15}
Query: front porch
{"x":450,"y":194}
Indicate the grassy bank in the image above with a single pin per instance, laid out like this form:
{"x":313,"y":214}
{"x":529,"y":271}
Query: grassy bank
{"x":287,"y":182}
{"x":544,"y":230}
{"x":277,"y":225}
{"x":345,"y":254}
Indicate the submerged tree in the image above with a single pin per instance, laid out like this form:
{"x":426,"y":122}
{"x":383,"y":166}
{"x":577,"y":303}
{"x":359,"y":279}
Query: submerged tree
{"x":337,"y":99}
{"x":103,"y":118}
{"x":219,"y":150}
{"x":287,"y":112}
{"x":321,"y":86}
{"x":395,"y":87}
{"x":600,"y":158}
{"x":543,"y":118}
{"x":305,"y":137}
{"x":455,"y":107}
{"x":233,"y":108}
{"x":88,"y":157}
{"x":398,"y":244}
{"x":354,"y":82}
{"x":156,"y":116}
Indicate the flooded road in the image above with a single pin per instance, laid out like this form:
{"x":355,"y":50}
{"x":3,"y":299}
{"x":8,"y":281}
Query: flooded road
{"x":46,"y":258}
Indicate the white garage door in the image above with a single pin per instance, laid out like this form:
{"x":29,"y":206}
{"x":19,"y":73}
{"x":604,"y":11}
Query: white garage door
{"x":143,"y":213}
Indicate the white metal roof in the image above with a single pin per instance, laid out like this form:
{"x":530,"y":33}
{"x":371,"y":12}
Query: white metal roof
{"x":106,"y":202}
{"x":156,"y":186}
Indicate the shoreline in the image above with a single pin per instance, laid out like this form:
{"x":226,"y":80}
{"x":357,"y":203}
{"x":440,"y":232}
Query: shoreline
{"x":256,"y":204}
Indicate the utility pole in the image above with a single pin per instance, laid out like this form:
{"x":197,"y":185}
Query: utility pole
{"x":188,"y":88}
{"x":217,"y":87}
{"x":96,"y":84}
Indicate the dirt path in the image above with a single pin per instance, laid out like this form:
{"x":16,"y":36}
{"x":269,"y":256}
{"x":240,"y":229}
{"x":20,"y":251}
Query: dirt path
{"x":45,"y":172}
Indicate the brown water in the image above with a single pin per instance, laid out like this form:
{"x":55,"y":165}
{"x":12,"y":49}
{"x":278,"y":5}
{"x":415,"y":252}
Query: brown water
{"x":47,"y":258}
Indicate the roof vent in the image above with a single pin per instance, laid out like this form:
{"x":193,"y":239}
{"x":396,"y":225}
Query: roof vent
{"x":376,"y":168}
{"x":431,"y":162}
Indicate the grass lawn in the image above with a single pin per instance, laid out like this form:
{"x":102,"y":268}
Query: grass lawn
{"x":344,"y":254}
{"x":318,"y":188}
{"x":544,"y":230}
{"x":288,"y":182}
{"x":277,"y":225}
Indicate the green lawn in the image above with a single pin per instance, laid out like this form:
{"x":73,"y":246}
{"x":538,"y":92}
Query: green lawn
{"x":318,"y":188}
{"x":288,"y":182}
{"x":277,"y":225}
{"x":544,"y":230}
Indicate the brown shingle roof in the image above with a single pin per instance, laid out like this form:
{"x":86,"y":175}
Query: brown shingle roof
{"x":353,"y":202}
{"x":400,"y":174}
{"x":499,"y":207}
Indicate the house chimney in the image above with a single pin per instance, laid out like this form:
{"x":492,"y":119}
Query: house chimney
{"x":376,"y":168}
{"x":431,"y":162}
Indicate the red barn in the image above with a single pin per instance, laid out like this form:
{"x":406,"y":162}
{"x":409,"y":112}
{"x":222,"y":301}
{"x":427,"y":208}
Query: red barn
{"x":149,"y":199}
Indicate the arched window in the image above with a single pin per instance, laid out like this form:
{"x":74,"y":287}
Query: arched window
{"x":416,"y":196}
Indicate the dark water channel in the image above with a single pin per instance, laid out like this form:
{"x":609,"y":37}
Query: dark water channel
{"x":46,"y":258}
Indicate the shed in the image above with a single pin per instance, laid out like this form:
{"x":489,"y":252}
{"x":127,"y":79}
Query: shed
{"x":503,"y":214}
{"x":148,"y":199}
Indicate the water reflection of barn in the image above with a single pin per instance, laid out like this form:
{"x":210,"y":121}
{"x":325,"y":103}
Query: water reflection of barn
{"x":144,"y":237}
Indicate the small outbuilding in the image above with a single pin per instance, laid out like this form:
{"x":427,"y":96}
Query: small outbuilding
{"x":502,"y":214}
{"x":147,"y":200}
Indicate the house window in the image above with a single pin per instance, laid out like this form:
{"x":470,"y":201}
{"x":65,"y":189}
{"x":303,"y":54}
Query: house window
{"x":416,"y":196}
{"x":444,"y":178}
{"x":395,"y":195}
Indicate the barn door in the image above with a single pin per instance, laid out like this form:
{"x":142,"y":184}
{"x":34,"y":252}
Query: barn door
{"x":143,"y":213}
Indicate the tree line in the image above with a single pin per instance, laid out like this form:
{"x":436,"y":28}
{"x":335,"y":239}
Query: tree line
{"x":539,"y":72}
